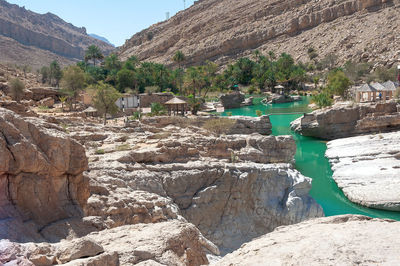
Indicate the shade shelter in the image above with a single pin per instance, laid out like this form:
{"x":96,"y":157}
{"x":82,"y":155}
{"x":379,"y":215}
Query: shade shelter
{"x":365,"y":89}
{"x":176,"y":105}
{"x":390,"y":88}
{"x":90,"y":111}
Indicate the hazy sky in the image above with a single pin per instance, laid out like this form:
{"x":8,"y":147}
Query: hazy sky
{"x":117,"y":20}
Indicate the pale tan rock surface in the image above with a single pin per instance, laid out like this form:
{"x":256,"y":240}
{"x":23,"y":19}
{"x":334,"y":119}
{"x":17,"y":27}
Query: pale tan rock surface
{"x":40,"y":174}
{"x":367,"y":169}
{"x":158,"y":194}
{"x":223,"y":30}
{"x":348,"y":119}
{"x":233,"y":187}
{"x":336,"y":240}
{"x":166,"y":243}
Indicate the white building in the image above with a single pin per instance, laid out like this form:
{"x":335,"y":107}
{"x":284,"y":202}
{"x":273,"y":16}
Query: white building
{"x":128,"y":101}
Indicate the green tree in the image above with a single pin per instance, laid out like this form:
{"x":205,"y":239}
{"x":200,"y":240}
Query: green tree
{"x":93,"y":53}
{"x":104,"y":99}
{"x":125,"y":79}
{"x":338,"y":83}
{"x":45,"y":73}
{"x":55,"y":73}
{"x":179,"y":58}
{"x":17,"y":89}
{"x":112,"y":62}
{"x":73,"y":82}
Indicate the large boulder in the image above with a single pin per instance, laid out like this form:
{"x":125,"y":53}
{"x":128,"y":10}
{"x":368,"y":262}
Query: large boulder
{"x":243,"y":124}
{"x":336,"y":240}
{"x":233,"y":100}
{"x":283,"y":98}
{"x":41,"y":173}
{"x":346,"y":120}
{"x":367,"y":169}
{"x":167,"y":243}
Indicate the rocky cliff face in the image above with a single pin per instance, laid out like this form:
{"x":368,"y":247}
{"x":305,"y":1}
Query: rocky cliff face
{"x":337,"y":240}
{"x":168,"y":193}
{"x":41,"y":178}
{"x":232,"y":188}
{"x":349,"y":119}
{"x":31,"y":32}
{"x":222,"y":30}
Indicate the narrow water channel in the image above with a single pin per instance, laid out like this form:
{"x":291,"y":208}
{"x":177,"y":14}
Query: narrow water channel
{"x":311,"y":161}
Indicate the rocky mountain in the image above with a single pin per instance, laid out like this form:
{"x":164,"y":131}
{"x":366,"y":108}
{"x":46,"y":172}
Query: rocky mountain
{"x":35,"y":39}
{"x":222,"y":30}
{"x":98,"y":37}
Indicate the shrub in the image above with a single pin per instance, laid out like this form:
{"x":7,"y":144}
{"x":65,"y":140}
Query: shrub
{"x":17,"y":89}
{"x":100,"y":151}
{"x":157,"y":109}
{"x":123,"y":147}
{"x":219,"y":126}
{"x":229,"y":113}
{"x":323,"y":99}
{"x":259,"y":113}
{"x":136,"y":115}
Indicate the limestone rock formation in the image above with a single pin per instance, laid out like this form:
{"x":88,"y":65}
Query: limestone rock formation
{"x":243,"y":124}
{"x":367,"y":169}
{"x":222,"y":30}
{"x":336,"y":240}
{"x":166,"y":243}
{"x":233,"y":100}
{"x":34,"y":39}
{"x":41,"y":178}
{"x":159,"y":195}
{"x":349,"y":119}
{"x":233,"y":188}
{"x":282,"y":98}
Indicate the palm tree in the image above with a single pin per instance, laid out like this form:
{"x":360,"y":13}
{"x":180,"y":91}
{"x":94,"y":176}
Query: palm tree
{"x":178,"y":58}
{"x":92,"y":53}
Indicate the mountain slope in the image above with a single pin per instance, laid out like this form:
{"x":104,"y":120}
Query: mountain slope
{"x":35,"y":39}
{"x":223,"y":29}
{"x":101,"y":38}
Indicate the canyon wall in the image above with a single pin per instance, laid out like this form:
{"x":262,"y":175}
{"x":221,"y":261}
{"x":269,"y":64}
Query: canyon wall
{"x":225,"y":30}
{"x":28,"y":37}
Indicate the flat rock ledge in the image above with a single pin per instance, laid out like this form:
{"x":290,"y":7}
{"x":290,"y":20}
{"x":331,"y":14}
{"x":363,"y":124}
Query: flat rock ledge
{"x":367,"y":169}
{"x":348,"y":119}
{"x":336,"y":240}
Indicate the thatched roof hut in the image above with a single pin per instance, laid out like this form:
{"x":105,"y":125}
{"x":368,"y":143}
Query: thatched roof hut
{"x":175,"y":105}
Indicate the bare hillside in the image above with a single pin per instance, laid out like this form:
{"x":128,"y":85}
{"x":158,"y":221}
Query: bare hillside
{"x":221,"y":30}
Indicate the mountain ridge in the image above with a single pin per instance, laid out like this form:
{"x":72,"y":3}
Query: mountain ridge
{"x":24,"y":32}
{"x":221,"y":30}
{"x":101,"y":38}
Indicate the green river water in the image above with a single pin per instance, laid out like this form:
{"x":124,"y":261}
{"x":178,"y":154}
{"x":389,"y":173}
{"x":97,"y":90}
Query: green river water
{"x":310,"y":159}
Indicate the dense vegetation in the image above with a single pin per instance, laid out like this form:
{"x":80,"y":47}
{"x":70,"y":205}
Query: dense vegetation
{"x":258,"y":73}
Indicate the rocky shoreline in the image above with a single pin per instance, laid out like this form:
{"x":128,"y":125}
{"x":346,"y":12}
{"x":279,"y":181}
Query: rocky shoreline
{"x":348,"y":119}
{"x":182,"y":192}
{"x":367,"y":169}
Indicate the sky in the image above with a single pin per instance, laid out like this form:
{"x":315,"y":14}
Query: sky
{"x":116,"y":20}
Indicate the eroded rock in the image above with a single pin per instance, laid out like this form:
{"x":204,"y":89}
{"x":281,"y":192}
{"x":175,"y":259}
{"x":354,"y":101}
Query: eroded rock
{"x":367,"y":169}
{"x":336,"y":240}
{"x":349,"y":119}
